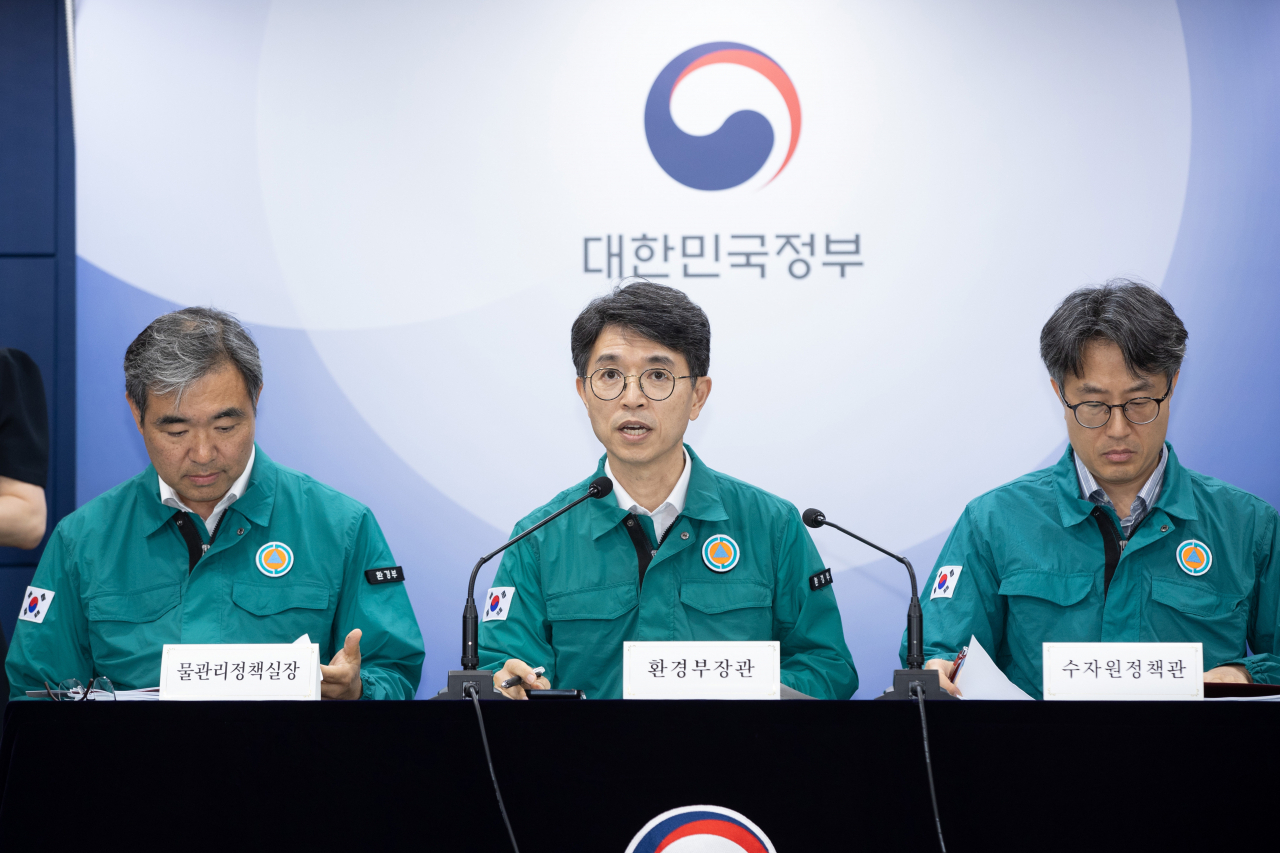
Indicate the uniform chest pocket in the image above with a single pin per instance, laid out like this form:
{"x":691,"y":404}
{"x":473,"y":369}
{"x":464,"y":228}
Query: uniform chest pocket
{"x":127,"y":629}
{"x":1061,"y":589}
{"x":266,"y":600}
{"x":604,"y":602}
{"x":278,"y":613}
{"x":589,"y":625}
{"x":723,"y":610}
{"x":146,"y":605}
{"x":1196,"y":613}
{"x":1044,"y":603}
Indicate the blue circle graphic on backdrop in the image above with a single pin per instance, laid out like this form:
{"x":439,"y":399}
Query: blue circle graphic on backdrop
{"x":734,"y":152}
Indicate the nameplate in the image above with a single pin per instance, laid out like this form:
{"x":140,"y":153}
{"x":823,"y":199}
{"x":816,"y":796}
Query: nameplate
{"x":701,"y":670}
{"x":1132,"y":671}
{"x":266,"y":671}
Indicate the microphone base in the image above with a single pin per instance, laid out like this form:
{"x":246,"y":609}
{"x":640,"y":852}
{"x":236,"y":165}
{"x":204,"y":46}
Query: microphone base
{"x":459,"y":678}
{"x":926,"y":678}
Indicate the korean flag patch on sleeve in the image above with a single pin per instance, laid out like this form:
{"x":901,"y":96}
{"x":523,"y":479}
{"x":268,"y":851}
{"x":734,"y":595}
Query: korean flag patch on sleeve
{"x":35,"y":604}
{"x":945,"y":585}
{"x":497,"y":604}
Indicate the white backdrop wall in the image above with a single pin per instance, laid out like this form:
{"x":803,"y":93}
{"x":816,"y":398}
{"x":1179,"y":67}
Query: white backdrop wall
{"x":410,"y":202}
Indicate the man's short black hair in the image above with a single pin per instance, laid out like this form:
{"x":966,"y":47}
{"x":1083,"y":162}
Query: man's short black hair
{"x":662,"y":314}
{"x":1131,"y":315}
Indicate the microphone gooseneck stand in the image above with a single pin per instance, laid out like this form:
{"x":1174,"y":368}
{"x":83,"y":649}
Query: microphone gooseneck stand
{"x":915,"y":671}
{"x":482,"y":681}
{"x":914,"y":682}
{"x":472,"y":684}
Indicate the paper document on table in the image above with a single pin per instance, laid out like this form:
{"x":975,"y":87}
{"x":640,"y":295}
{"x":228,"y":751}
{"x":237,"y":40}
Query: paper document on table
{"x":980,"y":678}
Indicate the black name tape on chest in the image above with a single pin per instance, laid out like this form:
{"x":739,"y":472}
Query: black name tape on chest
{"x":821,"y":579}
{"x":394,"y":574}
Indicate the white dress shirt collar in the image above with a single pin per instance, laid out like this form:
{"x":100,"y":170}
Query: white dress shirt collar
{"x":666,"y":514}
{"x":170,"y":498}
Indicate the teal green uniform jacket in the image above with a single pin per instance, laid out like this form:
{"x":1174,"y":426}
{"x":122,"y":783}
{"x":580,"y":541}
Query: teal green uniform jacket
{"x":578,"y":594}
{"x":118,"y":568}
{"x":1034,"y":568}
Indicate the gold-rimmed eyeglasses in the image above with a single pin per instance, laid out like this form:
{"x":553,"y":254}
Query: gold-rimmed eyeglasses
{"x":656,"y":383}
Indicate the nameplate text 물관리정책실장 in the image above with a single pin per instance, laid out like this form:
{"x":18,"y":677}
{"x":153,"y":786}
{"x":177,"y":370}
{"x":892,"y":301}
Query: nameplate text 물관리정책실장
{"x":240,"y":671}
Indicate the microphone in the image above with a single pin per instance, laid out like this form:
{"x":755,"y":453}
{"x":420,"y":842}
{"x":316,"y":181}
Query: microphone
{"x":915,"y":673}
{"x":460,"y":680}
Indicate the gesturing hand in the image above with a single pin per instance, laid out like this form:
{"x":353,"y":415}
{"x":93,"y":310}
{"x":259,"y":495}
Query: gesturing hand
{"x":341,"y":678}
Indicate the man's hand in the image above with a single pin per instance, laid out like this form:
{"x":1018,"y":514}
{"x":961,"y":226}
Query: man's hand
{"x":341,"y":678}
{"x":943,"y":666}
{"x":1231,"y":674}
{"x":513,"y":668}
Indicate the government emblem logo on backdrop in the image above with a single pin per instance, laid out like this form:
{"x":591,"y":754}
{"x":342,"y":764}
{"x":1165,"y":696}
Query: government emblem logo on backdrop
{"x":275,"y":559}
{"x":736,"y":151}
{"x":1194,"y":557}
{"x":720,"y":553}
{"x":701,"y":829}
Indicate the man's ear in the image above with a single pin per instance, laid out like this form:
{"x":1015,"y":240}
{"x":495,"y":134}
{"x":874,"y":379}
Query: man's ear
{"x":701,"y":391}
{"x":581,"y":385}
{"x":137,"y":415}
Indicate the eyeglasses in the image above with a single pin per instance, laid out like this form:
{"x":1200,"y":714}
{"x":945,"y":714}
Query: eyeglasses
{"x":1092,"y":414}
{"x":656,"y":383}
{"x":71,"y":690}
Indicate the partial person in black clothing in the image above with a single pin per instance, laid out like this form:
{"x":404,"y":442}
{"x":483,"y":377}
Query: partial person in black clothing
{"x":24,"y":462}
{"x":24,"y":451}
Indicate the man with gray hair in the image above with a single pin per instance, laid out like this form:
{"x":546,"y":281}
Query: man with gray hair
{"x":213,"y":542}
{"x":1117,"y":542}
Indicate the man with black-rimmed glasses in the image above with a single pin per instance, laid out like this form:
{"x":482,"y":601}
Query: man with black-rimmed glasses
{"x":682,"y":553}
{"x":1117,"y":542}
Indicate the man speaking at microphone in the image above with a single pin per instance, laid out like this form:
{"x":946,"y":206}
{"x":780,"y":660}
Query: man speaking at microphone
{"x":213,"y":542}
{"x":681,"y":552}
{"x":1117,"y":542}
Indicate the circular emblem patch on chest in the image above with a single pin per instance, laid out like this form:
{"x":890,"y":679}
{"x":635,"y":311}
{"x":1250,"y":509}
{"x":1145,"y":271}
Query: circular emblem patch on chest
{"x":720,"y":553}
{"x":275,"y":559}
{"x":1194,"y":557}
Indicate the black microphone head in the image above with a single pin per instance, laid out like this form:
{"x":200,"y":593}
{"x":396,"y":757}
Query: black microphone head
{"x":813,"y":517}
{"x":600,"y":487}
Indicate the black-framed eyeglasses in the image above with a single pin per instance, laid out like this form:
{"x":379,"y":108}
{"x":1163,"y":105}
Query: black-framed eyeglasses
{"x":1092,"y":414}
{"x":656,"y":383}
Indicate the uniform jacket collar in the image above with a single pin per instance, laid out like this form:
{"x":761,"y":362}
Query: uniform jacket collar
{"x":255,"y":505}
{"x":1176,"y":497}
{"x":702,"y":502}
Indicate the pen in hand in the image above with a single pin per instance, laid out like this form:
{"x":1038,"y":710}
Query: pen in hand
{"x":955,"y":667}
{"x":519,"y":679}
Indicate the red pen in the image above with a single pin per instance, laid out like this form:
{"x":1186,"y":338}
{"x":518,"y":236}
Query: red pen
{"x":955,"y":667}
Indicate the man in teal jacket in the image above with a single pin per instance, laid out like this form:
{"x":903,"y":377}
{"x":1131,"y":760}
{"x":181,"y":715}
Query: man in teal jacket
{"x":213,"y":542}
{"x":1117,"y":542}
{"x":681,"y":552}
